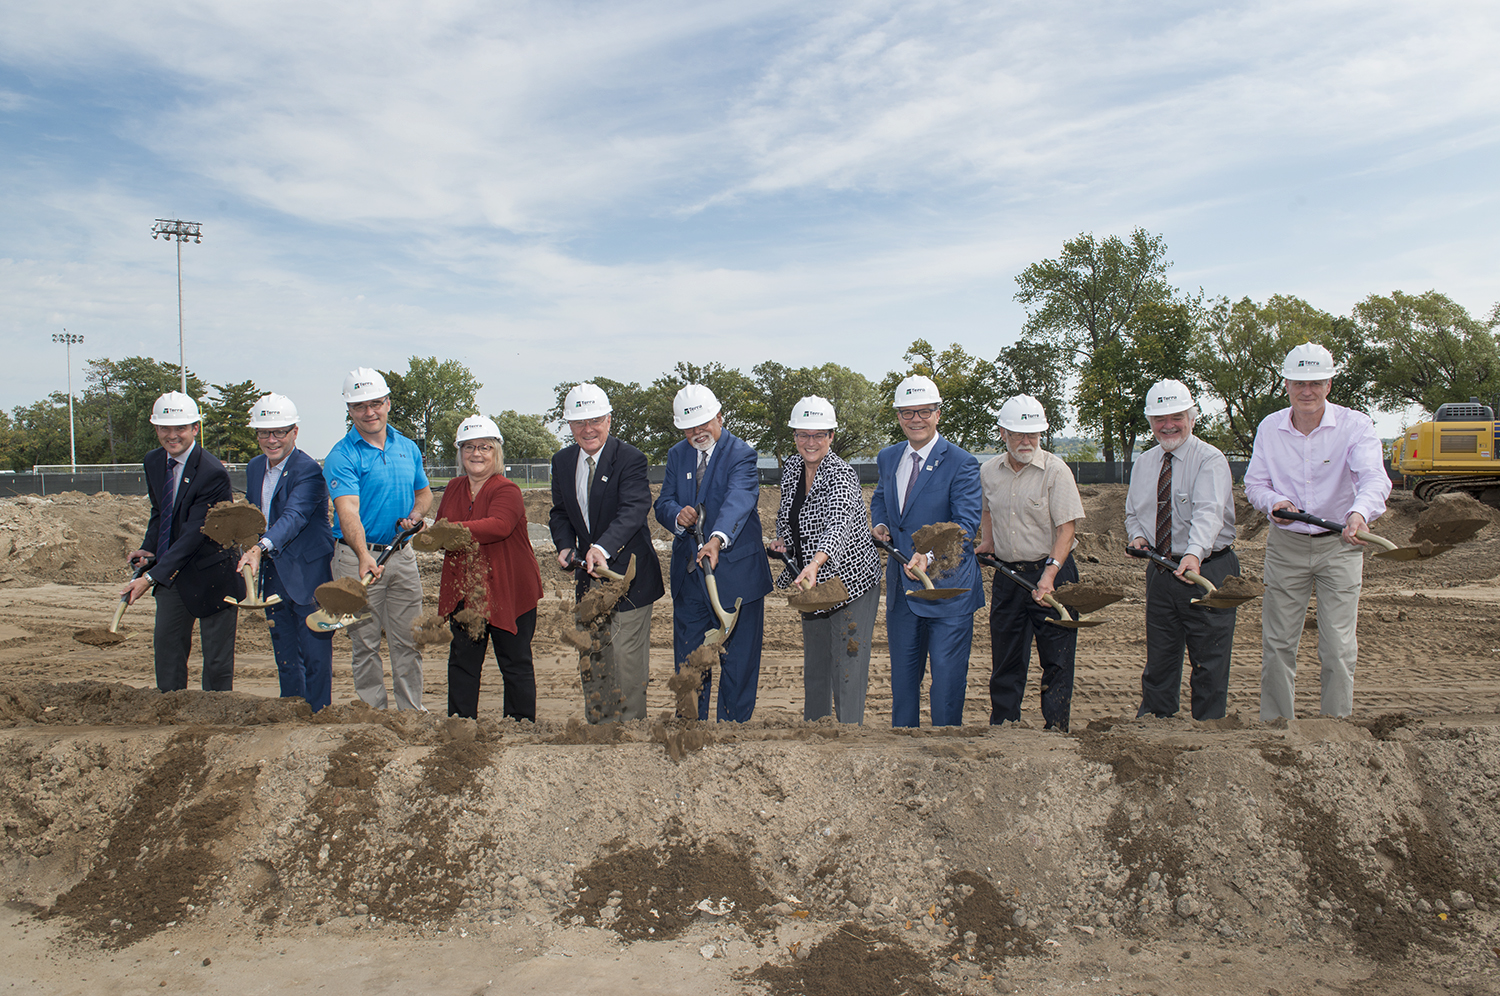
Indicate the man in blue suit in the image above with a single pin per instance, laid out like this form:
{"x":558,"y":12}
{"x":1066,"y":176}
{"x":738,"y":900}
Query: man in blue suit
{"x":922,"y":481}
{"x":714,"y":468}
{"x":295,"y":554}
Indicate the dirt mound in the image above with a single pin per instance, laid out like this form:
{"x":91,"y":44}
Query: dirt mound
{"x":853,"y":960}
{"x":100,"y":636}
{"x":70,"y":536}
{"x":1452,"y":519}
{"x":945,"y":541}
{"x":234,"y":524}
{"x":343,"y":596}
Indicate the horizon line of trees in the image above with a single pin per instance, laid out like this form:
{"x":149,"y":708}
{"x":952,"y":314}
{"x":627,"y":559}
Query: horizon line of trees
{"x":1103,"y":324}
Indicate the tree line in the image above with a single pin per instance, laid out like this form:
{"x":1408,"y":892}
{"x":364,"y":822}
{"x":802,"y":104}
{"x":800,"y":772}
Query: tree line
{"x":1103,"y":323}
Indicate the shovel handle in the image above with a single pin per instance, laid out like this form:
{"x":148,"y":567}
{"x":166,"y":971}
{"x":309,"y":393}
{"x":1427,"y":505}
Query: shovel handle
{"x":994,"y":562}
{"x":1333,"y":527}
{"x":1173,"y":566}
{"x":604,"y":572}
{"x":142,"y":568}
{"x":890,"y":548}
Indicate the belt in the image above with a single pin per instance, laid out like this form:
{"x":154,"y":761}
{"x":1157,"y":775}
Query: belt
{"x":1211,"y":556}
{"x":1025,"y":566}
{"x":373,"y":547}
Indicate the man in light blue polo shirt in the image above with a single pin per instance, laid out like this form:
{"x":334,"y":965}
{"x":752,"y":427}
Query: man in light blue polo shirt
{"x":379,"y":489}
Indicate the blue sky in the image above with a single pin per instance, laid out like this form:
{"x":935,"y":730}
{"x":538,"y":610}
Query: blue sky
{"x":547,"y":191}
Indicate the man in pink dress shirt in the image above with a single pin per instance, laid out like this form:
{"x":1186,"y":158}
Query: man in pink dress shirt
{"x":1323,"y":459}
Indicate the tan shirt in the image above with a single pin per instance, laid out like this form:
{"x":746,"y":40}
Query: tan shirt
{"x":1026,"y":506}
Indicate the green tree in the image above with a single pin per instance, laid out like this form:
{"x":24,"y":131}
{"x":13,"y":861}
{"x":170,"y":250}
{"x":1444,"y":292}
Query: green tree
{"x":527,"y":436}
{"x":779,"y":388}
{"x":656,"y":432}
{"x":40,"y":432}
{"x":627,"y":402}
{"x":1112,"y":390}
{"x":120,"y":393}
{"x":429,"y":389}
{"x":226,"y":422}
{"x":1085,"y":301}
{"x":1431,"y":349}
{"x":1037,"y":368}
{"x":969,"y":387}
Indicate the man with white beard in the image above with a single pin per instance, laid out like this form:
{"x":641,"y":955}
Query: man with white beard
{"x":1031,"y":511}
{"x":1181,"y":505}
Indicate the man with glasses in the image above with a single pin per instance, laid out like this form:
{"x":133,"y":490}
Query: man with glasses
{"x":294,"y":555}
{"x":379,"y":490}
{"x":600,"y":500}
{"x":1031,"y":515}
{"x":922,"y":481}
{"x":192,"y":573}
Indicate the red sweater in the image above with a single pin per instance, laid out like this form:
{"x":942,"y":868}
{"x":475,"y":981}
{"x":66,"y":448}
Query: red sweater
{"x":497,"y":518}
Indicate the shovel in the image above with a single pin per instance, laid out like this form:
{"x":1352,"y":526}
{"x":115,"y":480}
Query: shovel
{"x":1213,"y":599}
{"x":927,"y":592}
{"x":828,"y":594}
{"x":604,"y":572}
{"x":1390,"y":552}
{"x":1066,"y":622}
{"x":714,"y":637}
{"x":325,"y":621}
{"x":111,"y":636}
{"x":252,"y":599}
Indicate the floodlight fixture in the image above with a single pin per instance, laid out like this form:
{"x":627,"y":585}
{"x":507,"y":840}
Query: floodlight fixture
{"x":180,"y":231}
{"x":68,"y":339}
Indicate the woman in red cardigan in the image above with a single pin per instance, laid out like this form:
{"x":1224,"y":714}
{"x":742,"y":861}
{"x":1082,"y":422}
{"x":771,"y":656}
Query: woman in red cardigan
{"x":489,"y":593}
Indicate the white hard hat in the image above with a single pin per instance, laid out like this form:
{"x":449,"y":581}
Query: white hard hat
{"x":916,"y":390}
{"x":1023,"y":413}
{"x":477,"y":427}
{"x":364,"y":384}
{"x":585,"y":401}
{"x":813,"y":412}
{"x":694,"y":405}
{"x":273,"y":412}
{"x":1168,"y":397}
{"x":1309,"y":361}
{"x":175,"y":408}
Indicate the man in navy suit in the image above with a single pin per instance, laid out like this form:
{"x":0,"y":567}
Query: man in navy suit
{"x":192,"y":573}
{"x":600,"y":500}
{"x":714,"y":468}
{"x":922,"y":481}
{"x":296,"y":553}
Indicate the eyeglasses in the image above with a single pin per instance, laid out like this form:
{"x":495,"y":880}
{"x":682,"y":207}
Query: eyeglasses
{"x":477,"y":448}
{"x":368,"y":406}
{"x":809,"y":437}
{"x":264,"y":434}
{"x":588,"y":423}
{"x":912,"y":414}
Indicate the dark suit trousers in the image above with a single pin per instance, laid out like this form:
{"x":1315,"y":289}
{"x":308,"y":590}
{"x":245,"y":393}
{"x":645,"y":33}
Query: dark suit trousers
{"x":512,"y":653}
{"x":1172,"y":624}
{"x":173,"y":641}
{"x":1015,"y":620}
{"x":739,"y":670}
{"x":304,"y":659}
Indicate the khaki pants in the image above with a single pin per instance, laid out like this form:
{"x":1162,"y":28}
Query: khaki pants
{"x":396,"y":601}
{"x":615,"y":689}
{"x":1295,"y":562}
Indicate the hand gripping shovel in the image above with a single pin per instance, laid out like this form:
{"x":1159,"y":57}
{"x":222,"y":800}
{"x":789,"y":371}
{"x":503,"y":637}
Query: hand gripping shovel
{"x":252,"y":599}
{"x":714,"y":637}
{"x":1214,"y":597}
{"x":239,"y":525}
{"x":927,"y":592}
{"x":1390,"y":552}
{"x":808,"y":598}
{"x":326,"y":619}
{"x":109,"y":637}
{"x":1066,"y":622}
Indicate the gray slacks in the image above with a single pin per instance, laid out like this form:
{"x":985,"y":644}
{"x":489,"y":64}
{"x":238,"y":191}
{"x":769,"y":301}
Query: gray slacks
{"x":172,"y":642}
{"x":396,"y":601}
{"x":614,"y":689}
{"x":836,"y":660}
{"x":1173,"y":624}
{"x":1295,"y":563}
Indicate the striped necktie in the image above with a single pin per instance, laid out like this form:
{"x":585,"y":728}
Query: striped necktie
{"x":1164,"y":507}
{"x":169,"y":501}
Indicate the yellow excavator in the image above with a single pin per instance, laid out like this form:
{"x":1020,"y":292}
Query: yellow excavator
{"x":1459,"y":450}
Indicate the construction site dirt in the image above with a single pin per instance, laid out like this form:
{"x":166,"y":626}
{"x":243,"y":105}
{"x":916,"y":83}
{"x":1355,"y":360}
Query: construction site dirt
{"x":236,"y":842}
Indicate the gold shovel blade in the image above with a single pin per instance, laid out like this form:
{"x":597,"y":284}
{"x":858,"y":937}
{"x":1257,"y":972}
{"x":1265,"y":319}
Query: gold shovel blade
{"x":1413,"y":552}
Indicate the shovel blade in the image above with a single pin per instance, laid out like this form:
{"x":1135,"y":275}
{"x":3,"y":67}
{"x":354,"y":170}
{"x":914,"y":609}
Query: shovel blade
{"x":1222,"y":602}
{"x":323,"y":621}
{"x":1412,"y":552}
{"x":935,"y":594}
{"x":1075,"y":623}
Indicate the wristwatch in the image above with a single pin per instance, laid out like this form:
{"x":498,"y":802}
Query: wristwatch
{"x":1052,"y":562}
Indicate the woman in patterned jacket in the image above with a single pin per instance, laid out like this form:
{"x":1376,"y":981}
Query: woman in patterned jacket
{"x":823,"y":527}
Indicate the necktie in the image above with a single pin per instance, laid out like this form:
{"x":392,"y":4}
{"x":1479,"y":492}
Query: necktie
{"x":702,"y":470}
{"x":169,"y":499}
{"x":588,"y":486}
{"x":1164,"y":507}
{"x":911,"y":482}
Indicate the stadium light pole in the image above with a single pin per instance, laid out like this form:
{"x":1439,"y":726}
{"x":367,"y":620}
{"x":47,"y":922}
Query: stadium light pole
{"x":181,"y":231}
{"x":67,"y":339}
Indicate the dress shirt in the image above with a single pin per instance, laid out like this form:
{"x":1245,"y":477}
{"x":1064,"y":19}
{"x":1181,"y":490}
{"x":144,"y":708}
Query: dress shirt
{"x":267,"y":489}
{"x":1026,"y":506}
{"x":582,"y":483}
{"x":1202,"y":499}
{"x":176,"y":483}
{"x":903,"y":469}
{"x":1333,"y":471}
{"x":708,"y":459}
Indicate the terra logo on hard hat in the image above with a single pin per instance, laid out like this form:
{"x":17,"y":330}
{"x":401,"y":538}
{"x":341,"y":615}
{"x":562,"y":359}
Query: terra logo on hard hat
{"x":690,"y":409}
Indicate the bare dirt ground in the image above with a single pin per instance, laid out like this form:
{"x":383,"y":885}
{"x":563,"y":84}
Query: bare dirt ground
{"x":232,"y":842}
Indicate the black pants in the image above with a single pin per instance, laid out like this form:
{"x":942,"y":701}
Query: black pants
{"x":512,"y":653}
{"x":1174,"y":623}
{"x":1015,"y":620}
{"x":173,"y":642}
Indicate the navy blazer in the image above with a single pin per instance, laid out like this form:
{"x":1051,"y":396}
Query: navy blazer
{"x":296,"y":524}
{"x":198,"y":569}
{"x":619,"y":501}
{"x":731,"y":497}
{"x":947,"y":490}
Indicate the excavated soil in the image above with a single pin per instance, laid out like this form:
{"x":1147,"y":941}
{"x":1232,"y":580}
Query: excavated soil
{"x":100,"y":636}
{"x":234,"y":524}
{"x":444,"y":535}
{"x":594,"y":608}
{"x":1238,"y":587}
{"x":945,"y":541}
{"x":431,"y":628}
{"x":343,"y":596}
{"x":820,"y":597}
{"x":1452,"y":519}
{"x":235,"y":842}
{"x":1086,"y":598}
